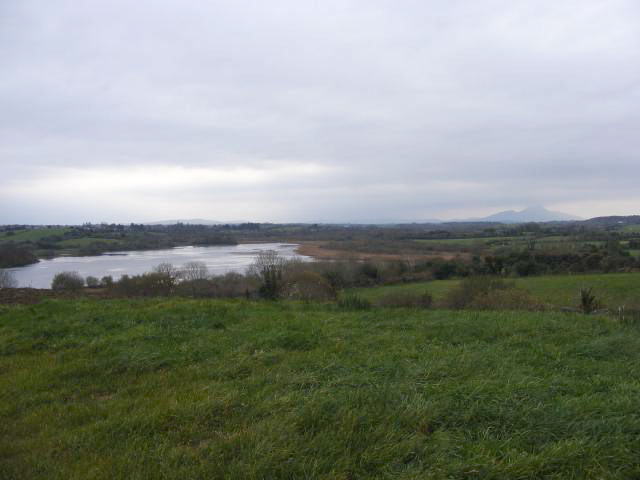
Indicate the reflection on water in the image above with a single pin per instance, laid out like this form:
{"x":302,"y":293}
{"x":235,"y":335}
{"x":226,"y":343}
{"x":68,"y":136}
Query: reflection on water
{"x":218,"y":259}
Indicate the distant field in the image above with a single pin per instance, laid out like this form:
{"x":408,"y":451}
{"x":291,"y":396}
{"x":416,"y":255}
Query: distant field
{"x":182,"y":389}
{"x":631,"y":229}
{"x":85,"y":241}
{"x":615,"y":289}
{"x":464,"y":241}
{"x":33,"y":235}
{"x":437,"y":288}
{"x":552,"y":241}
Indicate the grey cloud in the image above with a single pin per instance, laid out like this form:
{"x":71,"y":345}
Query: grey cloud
{"x":415,"y":108}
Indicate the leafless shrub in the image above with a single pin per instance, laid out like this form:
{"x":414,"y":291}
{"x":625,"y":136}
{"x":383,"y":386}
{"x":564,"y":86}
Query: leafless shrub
{"x":167,"y":275}
{"x":67,"y":282}
{"x":269,"y":268}
{"x":7,"y":280}
{"x":193,"y":271}
{"x":309,"y":286}
{"x":151,"y":284}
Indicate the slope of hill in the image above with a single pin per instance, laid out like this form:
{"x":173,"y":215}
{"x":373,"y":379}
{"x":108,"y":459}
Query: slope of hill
{"x":530,"y":214}
{"x":613,"y":221}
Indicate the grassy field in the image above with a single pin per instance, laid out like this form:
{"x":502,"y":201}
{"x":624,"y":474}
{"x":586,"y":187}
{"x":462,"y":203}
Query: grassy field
{"x":438,"y":289}
{"x":33,"y":235}
{"x":163,"y":389}
{"x":466,"y":241}
{"x":495,"y":243}
{"x":614,"y":289}
{"x":85,"y":241}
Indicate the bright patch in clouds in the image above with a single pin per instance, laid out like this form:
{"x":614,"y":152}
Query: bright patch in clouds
{"x":158,"y":178}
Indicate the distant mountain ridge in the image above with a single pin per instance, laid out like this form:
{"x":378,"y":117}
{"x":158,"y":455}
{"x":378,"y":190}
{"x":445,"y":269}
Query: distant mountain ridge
{"x":529,"y":214}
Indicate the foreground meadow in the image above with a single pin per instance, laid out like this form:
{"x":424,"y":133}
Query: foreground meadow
{"x":173,"y":388}
{"x":614,"y":290}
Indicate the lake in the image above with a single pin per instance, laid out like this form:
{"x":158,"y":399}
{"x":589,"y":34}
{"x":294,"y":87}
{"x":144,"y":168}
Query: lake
{"x":218,"y":259}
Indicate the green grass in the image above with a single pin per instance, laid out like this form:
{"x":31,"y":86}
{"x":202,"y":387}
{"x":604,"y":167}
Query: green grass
{"x":40,"y":233}
{"x":33,"y":235}
{"x":85,"y":241}
{"x":551,"y":241}
{"x":464,"y":241}
{"x":438,"y":289}
{"x":163,"y":389}
{"x":615,"y":289}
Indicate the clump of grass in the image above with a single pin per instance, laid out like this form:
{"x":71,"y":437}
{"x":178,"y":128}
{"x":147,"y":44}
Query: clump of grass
{"x":506,"y":299}
{"x":405,"y":300}
{"x":354,"y":302}
{"x":628,"y":315}
{"x":471,"y":289}
{"x":589,"y":302}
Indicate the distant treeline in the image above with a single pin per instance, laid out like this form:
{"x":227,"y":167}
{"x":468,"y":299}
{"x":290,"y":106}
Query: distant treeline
{"x":272,"y":277}
{"x":602,"y":245}
{"x":19,"y":247}
{"x":12,"y":255}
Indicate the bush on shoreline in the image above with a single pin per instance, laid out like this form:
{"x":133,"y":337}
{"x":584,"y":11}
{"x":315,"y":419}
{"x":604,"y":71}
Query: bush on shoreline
{"x":67,"y":282}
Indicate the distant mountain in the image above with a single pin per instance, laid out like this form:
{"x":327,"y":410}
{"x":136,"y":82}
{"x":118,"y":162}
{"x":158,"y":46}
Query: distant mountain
{"x":192,"y":221}
{"x":529,"y":214}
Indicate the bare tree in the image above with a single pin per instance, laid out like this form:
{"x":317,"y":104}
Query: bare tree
{"x":7,"y":280}
{"x":269,"y":268}
{"x":169,"y":273}
{"x":309,"y":286}
{"x":194,"y":271}
{"x":194,"y":276}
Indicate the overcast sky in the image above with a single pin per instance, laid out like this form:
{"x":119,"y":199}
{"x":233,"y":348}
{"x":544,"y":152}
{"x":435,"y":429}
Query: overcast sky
{"x":294,"y":110}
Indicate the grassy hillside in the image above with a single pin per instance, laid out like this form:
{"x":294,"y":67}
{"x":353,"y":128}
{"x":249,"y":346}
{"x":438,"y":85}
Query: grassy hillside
{"x":568,"y":243}
{"x":217,"y":389}
{"x":33,"y":235}
{"x":85,"y":242}
{"x":19,"y":247}
{"x":614,"y":289}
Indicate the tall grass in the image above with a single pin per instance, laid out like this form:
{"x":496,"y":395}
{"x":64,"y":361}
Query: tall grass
{"x":174,"y":389}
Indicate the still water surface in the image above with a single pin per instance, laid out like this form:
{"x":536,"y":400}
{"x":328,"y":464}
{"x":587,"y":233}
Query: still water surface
{"x":218,"y":259}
